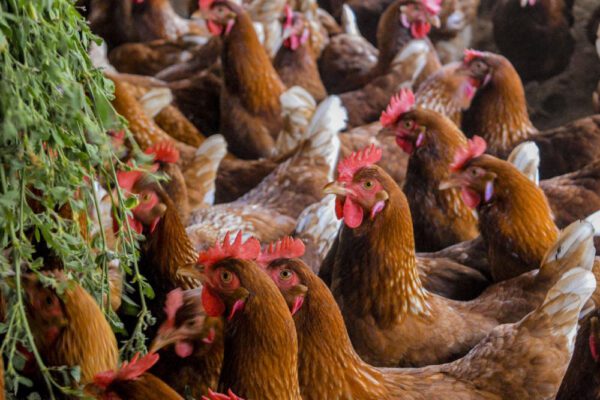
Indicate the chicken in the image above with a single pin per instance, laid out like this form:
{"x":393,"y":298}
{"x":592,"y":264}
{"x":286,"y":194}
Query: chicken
{"x":535,"y":36}
{"x":499,"y":111}
{"x":581,"y":381}
{"x":259,"y":334}
{"x":455,"y":33}
{"x":317,"y":226}
{"x":406,"y":57}
{"x":347,"y":55}
{"x":295,"y":61}
{"x":132,"y":381}
{"x":575,"y":195}
{"x":515,"y":219}
{"x":368,"y":14}
{"x":198,"y":97}
{"x":69,"y":329}
{"x":250,"y":108}
{"x":270,"y":210}
{"x":237,"y":177}
{"x":449,"y":91}
{"x":193,"y":363}
{"x":149,"y":58}
{"x":440,"y":218}
{"x":524,"y":360}
{"x":122,"y":21}
{"x":167,"y":257}
{"x":171,"y":120}
{"x":144,"y":129}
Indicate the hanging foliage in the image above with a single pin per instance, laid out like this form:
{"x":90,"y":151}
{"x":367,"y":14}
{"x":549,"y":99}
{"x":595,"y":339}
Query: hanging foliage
{"x":55,"y":111}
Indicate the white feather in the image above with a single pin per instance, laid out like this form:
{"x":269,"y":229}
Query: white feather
{"x":323,"y":131}
{"x":526,"y":158}
{"x":155,"y":100}
{"x":349,"y":21}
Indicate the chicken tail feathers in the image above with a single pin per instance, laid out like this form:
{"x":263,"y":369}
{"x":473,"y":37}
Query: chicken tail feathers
{"x":323,"y":132}
{"x":155,"y":100}
{"x":564,"y":302}
{"x":297,"y":110}
{"x":526,"y":158}
{"x":201,"y":173}
{"x":317,"y":227}
{"x":573,"y":248}
{"x":349,"y":21}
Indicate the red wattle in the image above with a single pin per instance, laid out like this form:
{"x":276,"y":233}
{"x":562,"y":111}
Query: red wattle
{"x":339,"y":208}
{"x":213,"y":305}
{"x":471,"y":198}
{"x":405,"y":145}
{"x":420,"y":29}
{"x":353,"y":213}
{"x":214,"y":28}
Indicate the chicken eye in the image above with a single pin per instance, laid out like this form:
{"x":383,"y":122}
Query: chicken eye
{"x":408,"y":124}
{"x":368,"y":185}
{"x":49,"y":300}
{"x":479,"y":65}
{"x":146,"y":197}
{"x":226,"y":276}
{"x":285,"y":274}
{"x":474,"y":172}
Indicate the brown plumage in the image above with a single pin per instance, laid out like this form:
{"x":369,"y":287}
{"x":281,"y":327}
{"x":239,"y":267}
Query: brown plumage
{"x":70,"y":329}
{"x":132,"y":381}
{"x":171,"y":120}
{"x":575,"y":195}
{"x":536,"y":38}
{"x":165,"y":255}
{"x":146,"y":387}
{"x":122,"y":21}
{"x":250,"y":108}
{"x":449,"y":91}
{"x":368,"y":14}
{"x":364,"y":105}
{"x":499,"y":109}
{"x":410,"y":329}
{"x":145,"y":131}
{"x":499,"y":113}
{"x":149,"y":58}
{"x":195,"y":373}
{"x":440,"y":218}
{"x":516,"y":222}
{"x":260,"y":339}
{"x":537,"y":346}
{"x":298,"y":67}
{"x":582,"y":379}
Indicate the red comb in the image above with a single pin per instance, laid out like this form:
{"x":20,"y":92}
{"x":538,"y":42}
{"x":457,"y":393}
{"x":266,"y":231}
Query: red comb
{"x":471,"y":54}
{"x":127,"y":179}
{"x":128,"y":371}
{"x":357,"y":160}
{"x":164,"y":151}
{"x":289,"y":16}
{"x":288,"y":247}
{"x":118,"y":135}
{"x":475,"y":148}
{"x":249,"y":250}
{"x":172,"y":304}
{"x":219,"y":396}
{"x":433,"y":6}
{"x":205,"y":4}
{"x":399,"y":104}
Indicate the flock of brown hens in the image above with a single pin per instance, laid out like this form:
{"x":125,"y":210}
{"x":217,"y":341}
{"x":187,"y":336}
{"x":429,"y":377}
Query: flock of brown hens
{"x":344,"y":216}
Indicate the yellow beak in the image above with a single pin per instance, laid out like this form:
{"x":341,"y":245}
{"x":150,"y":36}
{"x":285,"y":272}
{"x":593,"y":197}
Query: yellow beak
{"x":335,"y":188}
